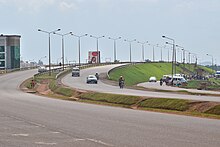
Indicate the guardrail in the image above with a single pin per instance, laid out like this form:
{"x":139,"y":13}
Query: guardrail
{"x":4,"y":71}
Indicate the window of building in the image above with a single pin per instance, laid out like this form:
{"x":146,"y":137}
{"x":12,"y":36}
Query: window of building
{"x":2,"y":55}
{"x":2,"y":63}
{"x":2,"y":48}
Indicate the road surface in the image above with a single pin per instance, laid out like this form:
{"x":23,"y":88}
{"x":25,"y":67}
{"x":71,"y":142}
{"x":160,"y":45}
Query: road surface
{"x":33,"y":121}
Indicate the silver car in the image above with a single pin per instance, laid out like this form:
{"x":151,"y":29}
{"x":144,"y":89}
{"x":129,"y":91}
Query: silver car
{"x":91,"y":79}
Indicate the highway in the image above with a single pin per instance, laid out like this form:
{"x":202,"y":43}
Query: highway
{"x":80,"y":83}
{"x":33,"y":121}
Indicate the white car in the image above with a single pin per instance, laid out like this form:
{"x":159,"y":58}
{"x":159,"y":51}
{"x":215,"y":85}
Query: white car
{"x":91,"y":79}
{"x":42,"y":69}
{"x":152,"y":79}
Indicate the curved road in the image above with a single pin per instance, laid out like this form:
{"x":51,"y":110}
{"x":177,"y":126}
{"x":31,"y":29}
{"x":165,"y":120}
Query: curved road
{"x":33,"y":121}
{"x":79,"y":83}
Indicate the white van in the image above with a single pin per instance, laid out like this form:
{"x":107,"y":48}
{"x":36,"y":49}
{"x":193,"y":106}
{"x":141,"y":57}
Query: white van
{"x":75,"y":72}
{"x":178,"y":80}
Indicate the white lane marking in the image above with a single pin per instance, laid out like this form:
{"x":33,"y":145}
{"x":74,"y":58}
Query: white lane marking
{"x":99,"y":141}
{"x":23,"y":135}
{"x":46,"y":143}
{"x":55,"y":132}
{"x":79,"y":139}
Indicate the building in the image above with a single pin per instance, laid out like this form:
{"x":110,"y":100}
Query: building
{"x":9,"y":51}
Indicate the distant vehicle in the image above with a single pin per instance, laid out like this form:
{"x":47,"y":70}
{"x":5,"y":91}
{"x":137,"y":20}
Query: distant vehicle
{"x":91,"y":79}
{"x":75,"y":72}
{"x":217,"y":74}
{"x":152,"y":79}
{"x":42,"y":69}
{"x":179,"y":80}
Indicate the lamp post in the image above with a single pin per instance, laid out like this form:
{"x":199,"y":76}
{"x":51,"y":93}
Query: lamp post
{"x":62,"y":35}
{"x":49,"y":45}
{"x":114,"y":39}
{"x":79,"y":37}
{"x":153,"y":56}
{"x":42,"y":58}
{"x":161,"y":51}
{"x":212,"y":61}
{"x":142,"y":44}
{"x":97,"y":45}
{"x":182,"y":57}
{"x":174,"y":54}
{"x":130,"y":41}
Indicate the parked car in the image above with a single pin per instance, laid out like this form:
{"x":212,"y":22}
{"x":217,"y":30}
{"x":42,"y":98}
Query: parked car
{"x":91,"y":79}
{"x":75,"y":72}
{"x":152,"y":79}
{"x":179,"y":80}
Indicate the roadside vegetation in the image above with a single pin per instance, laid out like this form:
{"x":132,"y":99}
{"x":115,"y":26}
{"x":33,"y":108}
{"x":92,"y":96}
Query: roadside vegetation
{"x":138,"y":73}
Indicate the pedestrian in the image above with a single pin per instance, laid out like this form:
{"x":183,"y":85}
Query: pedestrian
{"x":32,"y":83}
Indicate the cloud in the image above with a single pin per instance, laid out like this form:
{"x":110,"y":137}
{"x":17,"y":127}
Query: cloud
{"x":33,"y":6}
{"x":65,"y":6}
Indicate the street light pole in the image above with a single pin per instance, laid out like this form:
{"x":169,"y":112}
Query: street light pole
{"x":49,"y":46}
{"x":97,"y":45}
{"x":79,"y":47}
{"x":114,"y":39}
{"x":161,"y":52}
{"x":62,"y":35}
{"x":153,"y":51}
{"x":182,"y":48}
{"x":174,"y":54}
{"x":130,"y":41}
{"x":41,"y":59}
{"x":212,"y":61}
{"x":142,"y":44}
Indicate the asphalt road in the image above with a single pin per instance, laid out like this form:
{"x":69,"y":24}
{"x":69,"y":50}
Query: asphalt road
{"x":31,"y":120}
{"x":80,"y":83}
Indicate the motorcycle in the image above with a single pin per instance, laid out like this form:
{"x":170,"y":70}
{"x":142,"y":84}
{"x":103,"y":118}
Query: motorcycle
{"x":97,"y":76}
{"x":121,"y":84}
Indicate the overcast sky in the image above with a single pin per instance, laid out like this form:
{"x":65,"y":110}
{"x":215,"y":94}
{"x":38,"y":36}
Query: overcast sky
{"x":194,"y":24}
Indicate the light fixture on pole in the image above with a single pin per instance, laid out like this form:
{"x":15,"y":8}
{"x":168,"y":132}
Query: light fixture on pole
{"x":212,"y":61}
{"x":79,"y":47}
{"x":161,"y":51}
{"x":182,"y":57}
{"x":174,"y":54}
{"x":142,"y":44}
{"x":49,"y":46}
{"x":152,"y":51}
{"x":114,"y":39}
{"x":97,"y":45}
{"x":62,"y":35}
{"x":41,"y":59}
{"x":130,"y":41}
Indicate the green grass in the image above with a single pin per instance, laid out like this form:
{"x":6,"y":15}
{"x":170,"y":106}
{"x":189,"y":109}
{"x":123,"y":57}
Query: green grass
{"x":215,"y":110}
{"x":168,"y":104}
{"x":138,"y":73}
{"x":111,"y":98}
{"x":64,"y":91}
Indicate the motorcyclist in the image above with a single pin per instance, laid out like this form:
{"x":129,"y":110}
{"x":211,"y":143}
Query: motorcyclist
{"x":97,"y":75}
{"x":121,"y":81}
